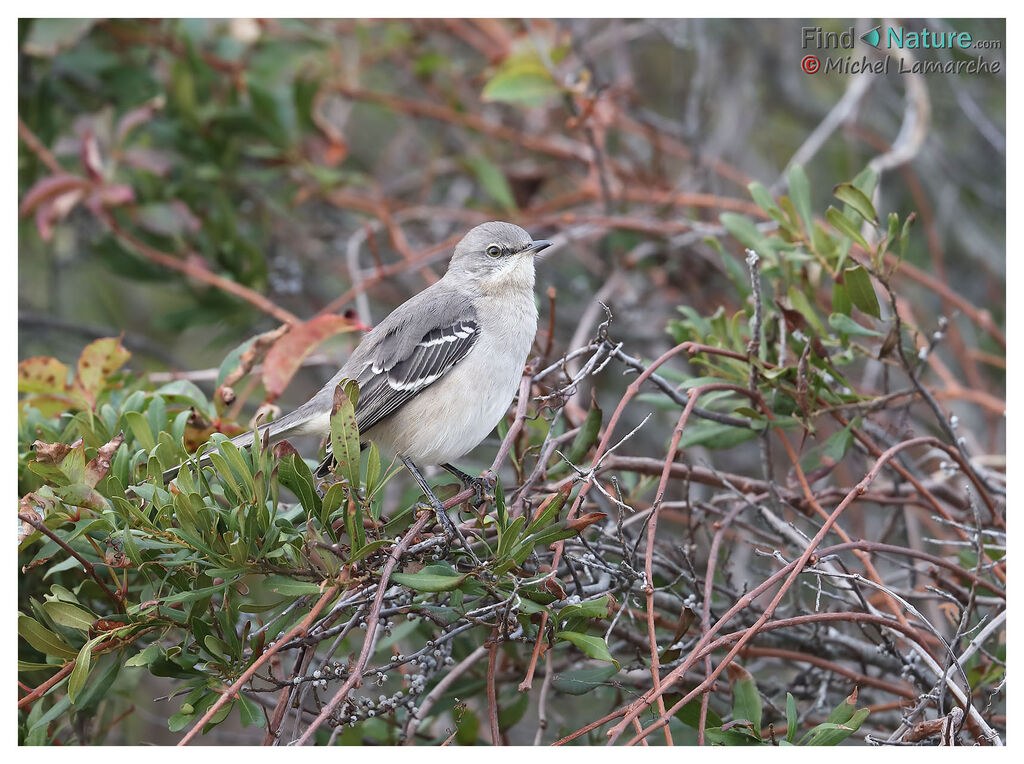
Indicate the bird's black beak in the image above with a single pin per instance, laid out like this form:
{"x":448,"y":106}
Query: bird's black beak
{"x":537,"y":246}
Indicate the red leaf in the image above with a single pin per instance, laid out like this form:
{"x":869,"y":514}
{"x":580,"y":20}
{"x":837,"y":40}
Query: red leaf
{"x":288,"y":353}
{"x":50,"y":187}
{"x":55,"y":209}
{"x":90,"y":156}
{"x":115,"y":195}
{"x":138,"y":116}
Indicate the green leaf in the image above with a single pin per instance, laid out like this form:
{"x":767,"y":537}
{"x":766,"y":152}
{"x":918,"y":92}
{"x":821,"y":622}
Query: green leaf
{"x":595,"y":608}
{"x":372,"y":469}
{"x":333,"y":500}
{"x":584,"y":440}
{"x":583,"y":681}
{"x":508,"y":536}
{"x":297,"y":477}
{"x":428,"y":582}
{"x":146,"y":657}
{"x":467,"y":726}
{"x":792,"y":719}
{"x":746,"y":233}
{"x":763,"y":199}
{"x":733,"y":736}
{"x":689,"y":714}
{"x":48,"y":37}
{"x":500,"y":510}
{"x":842,"y":713}
{"x":830,"y":733}
{"x":492,"y":180}
{"x":250,"y":712}
{"x":845,"y":226}
{"x":66,"y":614}
{"x":841,"y":299}
{"x":595,"y":647}
{"x":522,"y":78}
{"x":289,"y":586}
{"x":857,"y":199}
{"x":846,"y":325}
{"x":715,"y":435}
{"x":81,"y":670}
{"x":858,"y":284}
{"x":800,"y":193}
{"x":42,"y":639}
{"x":509,"y":713}
{"x":746,"y":700}
{"x":140,"y":429}
{"x":345,"y":431}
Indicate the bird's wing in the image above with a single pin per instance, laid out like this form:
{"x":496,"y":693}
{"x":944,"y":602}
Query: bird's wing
{"x":385,"y":386}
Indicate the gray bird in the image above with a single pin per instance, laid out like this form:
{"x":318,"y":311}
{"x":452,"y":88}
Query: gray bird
{"x":438,"y":374}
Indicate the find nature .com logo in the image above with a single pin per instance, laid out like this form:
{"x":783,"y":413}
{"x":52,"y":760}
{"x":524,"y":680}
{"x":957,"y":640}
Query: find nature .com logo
{"x":894,"y":40}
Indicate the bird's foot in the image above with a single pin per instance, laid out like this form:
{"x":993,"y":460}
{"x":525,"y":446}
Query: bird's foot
{"x":483,"y":486}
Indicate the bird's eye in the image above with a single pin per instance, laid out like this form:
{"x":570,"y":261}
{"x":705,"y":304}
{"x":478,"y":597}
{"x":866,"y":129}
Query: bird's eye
{"x":494,"y":250}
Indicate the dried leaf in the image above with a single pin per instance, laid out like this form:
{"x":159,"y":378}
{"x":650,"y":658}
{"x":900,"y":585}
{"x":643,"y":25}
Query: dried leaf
{"x":37,"y":505}
{"x":50,"y":453}
{"x":287,"y":354}
{"x":579,"y":523}
{"x":98,"y":468}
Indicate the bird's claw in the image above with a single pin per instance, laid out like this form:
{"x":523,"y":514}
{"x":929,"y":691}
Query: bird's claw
{"x":483,"y":489}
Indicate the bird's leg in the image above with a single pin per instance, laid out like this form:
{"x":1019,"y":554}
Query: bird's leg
{"x":435,"y":503}
{"x":484,"y":488}
{"x":451,"y":530}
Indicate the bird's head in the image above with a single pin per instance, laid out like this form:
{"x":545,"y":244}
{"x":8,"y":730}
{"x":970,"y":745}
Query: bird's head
{"x":497,"y":256}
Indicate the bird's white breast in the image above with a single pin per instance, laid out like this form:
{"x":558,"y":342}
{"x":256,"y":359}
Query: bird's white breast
{"x":449,"y":418}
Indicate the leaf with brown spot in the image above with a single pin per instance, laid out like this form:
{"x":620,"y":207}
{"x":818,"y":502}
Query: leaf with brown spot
{"x":345,"y":431}
{"x":579,"y":523}
{"x":288,"y":353}
{"x":99,"y":466}
{"x":50,"y":453}
{"x":42,"y":375}
{"x":34,"y":505}
{"x":98,"y":361}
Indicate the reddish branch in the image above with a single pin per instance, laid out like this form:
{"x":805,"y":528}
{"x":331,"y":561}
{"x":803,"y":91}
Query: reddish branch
{"x":90,"y":569}
{"x":634,"y":709}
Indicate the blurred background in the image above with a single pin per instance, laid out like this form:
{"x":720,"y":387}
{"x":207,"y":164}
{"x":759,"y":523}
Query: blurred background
{"x":192,"y":183}
{"x":312,"y":160}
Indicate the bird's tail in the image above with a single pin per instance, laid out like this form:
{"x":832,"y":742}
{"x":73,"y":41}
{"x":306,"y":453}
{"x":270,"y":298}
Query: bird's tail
{"x":299,"y":422}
